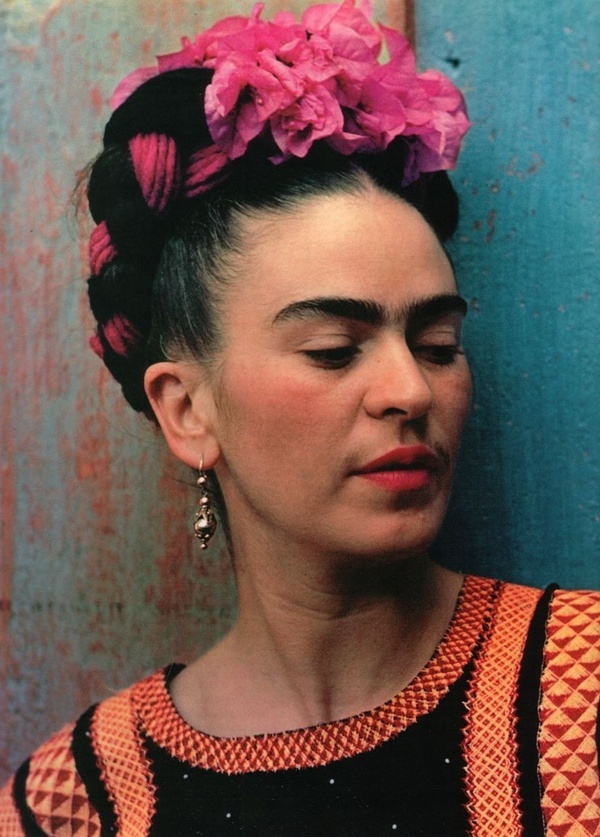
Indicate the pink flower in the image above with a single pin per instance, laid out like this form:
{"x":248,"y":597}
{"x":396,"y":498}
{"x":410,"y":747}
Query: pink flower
{"x":202,"y":52}
{"x":355,"y":44}
{"x":312,"y":60}
{"x":342,"y":21}
{"x":402,"y":58}
{"x":240,"y":100}
{"x":319,"y":79}
{"x":442,"y":135}
{"x":381,"y":116}
{"x":315,"y":115}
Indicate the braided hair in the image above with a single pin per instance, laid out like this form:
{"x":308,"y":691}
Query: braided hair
{"x":167,"y":220}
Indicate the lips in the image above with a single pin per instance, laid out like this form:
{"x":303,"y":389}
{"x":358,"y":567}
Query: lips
{"x":406,"y":468}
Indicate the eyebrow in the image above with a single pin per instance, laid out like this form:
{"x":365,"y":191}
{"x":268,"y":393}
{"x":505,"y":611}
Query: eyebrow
{"x":371,"y":312}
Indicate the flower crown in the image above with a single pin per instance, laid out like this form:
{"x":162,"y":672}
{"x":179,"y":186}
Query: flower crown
{"x":301,"y":83}
{"x":319,"y":79}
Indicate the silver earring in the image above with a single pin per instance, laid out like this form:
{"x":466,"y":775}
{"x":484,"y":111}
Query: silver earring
{"x":205,"y":524}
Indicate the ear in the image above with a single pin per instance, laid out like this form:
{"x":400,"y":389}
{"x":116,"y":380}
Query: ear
{"x":183,"y":404}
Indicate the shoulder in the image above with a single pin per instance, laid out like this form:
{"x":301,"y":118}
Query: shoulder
{"x":45,"y":793}
{"x":570,"y":683}
{"x":72,"y":784}
{"x":567,"y":620}
{"x":547,"y":642}
{"x":574,"y":620}
{"x":569,"y":732}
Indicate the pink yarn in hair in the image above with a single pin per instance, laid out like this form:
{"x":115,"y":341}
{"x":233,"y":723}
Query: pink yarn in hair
{"x":120,"y":334}
{"x":157,"y":168}
{"x":96,"y":346}
{"x":204,"y":170}
{"x":101,"y":249}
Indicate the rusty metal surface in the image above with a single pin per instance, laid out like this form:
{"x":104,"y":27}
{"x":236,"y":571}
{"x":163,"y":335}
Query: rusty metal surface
{"x":101,"y":579}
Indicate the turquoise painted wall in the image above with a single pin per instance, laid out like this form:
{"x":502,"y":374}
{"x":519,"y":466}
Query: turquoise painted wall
{"x":527,"y":499}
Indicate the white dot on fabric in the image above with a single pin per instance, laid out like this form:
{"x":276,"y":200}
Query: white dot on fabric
{"x":447,"y":761}
{"x":332,"y":781}
{"x":394,"y":827}
{"x":228,"y":816}
{"x":185,"y":776}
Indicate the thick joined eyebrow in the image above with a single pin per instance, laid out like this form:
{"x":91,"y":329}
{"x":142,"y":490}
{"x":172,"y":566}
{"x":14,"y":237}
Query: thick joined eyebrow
{"x":371,"y":312}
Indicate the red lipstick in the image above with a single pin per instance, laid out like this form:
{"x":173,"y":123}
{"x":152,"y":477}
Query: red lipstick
{"x":403,"y":469}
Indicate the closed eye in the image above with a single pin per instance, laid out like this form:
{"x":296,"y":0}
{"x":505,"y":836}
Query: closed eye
{"x":438,"y":354}
{"x":336,"y":357}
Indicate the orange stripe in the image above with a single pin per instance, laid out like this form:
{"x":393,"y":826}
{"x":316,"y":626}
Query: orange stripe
{"x":125,"y":767}
{"x":568,"y":710}
{"x":489,"y":744}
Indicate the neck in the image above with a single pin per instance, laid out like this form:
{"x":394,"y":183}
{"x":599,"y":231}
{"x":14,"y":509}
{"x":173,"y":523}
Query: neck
{"x":318,"y":643}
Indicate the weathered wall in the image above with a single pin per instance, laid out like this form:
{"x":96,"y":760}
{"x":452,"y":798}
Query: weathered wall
{"x":100,"y":578}
{"x":528,"y":500}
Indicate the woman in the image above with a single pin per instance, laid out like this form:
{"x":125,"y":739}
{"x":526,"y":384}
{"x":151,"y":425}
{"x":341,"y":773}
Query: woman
{"x":271,"y":287}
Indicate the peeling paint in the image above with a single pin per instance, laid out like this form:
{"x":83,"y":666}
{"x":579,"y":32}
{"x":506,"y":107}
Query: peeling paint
{"x":491,"y":223}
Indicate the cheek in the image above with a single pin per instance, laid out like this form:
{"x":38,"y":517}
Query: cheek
{"x":455,"y":401}
{"x":273,"y":407}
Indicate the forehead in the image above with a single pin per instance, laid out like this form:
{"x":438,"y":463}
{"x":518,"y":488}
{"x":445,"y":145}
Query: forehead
{"x":367,"y":245}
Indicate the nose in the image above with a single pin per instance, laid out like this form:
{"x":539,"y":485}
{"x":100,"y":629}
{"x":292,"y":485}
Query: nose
{"x":397,"y":385}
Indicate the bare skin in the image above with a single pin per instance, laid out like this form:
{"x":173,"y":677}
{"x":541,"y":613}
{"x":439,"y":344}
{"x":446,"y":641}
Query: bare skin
{"x":339,"y":605}
{"x":299,"y":660}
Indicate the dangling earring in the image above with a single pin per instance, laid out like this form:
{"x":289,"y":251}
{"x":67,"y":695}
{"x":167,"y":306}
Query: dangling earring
{"x":205,"y":524}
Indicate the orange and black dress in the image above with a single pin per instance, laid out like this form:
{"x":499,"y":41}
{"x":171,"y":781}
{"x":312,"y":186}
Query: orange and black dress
{"x":497,"y":736}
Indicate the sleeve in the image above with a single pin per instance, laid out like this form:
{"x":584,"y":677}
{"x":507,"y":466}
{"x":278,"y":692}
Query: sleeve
{"x":570,"y":693}
{"x":47,"y":797}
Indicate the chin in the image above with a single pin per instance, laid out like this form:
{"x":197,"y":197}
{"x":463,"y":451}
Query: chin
{"x":388,"y":547}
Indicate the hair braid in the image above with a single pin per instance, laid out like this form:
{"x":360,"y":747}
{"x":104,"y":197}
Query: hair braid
{"x":133,"y":191}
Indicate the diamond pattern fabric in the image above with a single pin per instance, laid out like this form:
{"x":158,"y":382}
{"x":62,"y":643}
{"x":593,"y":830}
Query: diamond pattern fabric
{"x":490,"y":744}
{"x":125,"y":769}
{"x":497,"y":633}
{"x":569,"y":712}
{"x":10,"y":819}
{"x":56,"y":793}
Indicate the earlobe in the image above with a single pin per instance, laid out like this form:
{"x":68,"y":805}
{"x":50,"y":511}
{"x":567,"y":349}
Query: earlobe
{"x":184,"y":407}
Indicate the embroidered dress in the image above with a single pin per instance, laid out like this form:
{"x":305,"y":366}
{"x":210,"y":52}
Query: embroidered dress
{"x":497,"y":736}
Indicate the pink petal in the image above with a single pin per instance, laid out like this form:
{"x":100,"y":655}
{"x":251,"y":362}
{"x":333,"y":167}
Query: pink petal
{"x":315,"y":116}
{"x":330,"y":16}
{"x":131,"y":82}
{"x":402,"y":56}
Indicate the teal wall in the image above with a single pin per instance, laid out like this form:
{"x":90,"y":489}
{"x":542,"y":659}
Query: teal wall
{"x":527,"y":498}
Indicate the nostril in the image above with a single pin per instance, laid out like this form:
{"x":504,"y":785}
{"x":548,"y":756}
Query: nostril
{"x":393,"y":411}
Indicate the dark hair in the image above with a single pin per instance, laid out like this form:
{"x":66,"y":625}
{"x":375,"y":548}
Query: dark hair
{"x":168,"y":268}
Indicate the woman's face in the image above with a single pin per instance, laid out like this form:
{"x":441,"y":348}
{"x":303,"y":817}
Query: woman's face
{"x":342,"y":346}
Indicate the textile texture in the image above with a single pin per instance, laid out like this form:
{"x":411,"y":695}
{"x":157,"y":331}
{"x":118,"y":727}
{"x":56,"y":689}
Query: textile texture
{"x":497,"y":736}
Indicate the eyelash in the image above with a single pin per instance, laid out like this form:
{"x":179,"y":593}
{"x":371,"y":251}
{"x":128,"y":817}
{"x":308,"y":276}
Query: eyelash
{"x":335,"y":358}
{"x":339,"y":357}
{"x":439,"y":355}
